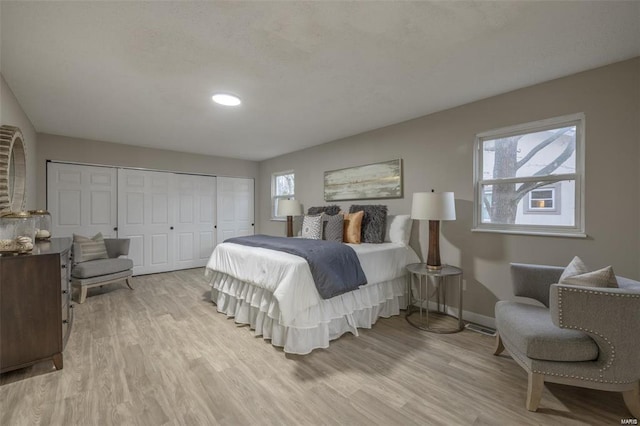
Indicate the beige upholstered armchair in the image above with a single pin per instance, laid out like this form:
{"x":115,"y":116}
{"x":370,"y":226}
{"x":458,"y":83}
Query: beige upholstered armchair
{"x":582,"y":336}
{"x":99,"y":272}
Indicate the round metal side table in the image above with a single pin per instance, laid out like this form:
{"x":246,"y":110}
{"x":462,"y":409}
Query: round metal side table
{"x":439,"y":277}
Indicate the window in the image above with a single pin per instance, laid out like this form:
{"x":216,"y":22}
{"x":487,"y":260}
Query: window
{"x":282,"y":188}
{"x":544,"y":200}
{"x":529,"y":178}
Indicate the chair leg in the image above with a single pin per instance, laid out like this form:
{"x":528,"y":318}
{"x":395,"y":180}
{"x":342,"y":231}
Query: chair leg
{"x":632,"y":400}
{"x":128,"y":283}
{"x":534,"y":390}
{"x":83,"y":294}
{"x":499,"y":347}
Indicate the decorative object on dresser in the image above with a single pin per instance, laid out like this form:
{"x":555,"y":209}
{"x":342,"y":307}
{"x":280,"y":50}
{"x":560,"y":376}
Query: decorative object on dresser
{"x":97,"y":262}
{"x":289,"y":208}
{"x":13,"y":169}
{"x":434,"y":207}
{"x":17,"y":232}
{"x":373,"y":181}
{"x":35,"y":305}
{"x":583,"y":336}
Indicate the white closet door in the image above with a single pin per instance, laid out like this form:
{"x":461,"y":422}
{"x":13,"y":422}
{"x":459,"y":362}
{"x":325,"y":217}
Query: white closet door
{"x":195,"y":220}
{"x":235,"y":207}
{"x":81,"y":199}
{"x":145,"y":216}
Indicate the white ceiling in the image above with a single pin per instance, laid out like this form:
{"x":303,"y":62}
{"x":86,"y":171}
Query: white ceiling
{"x":143,"y":73}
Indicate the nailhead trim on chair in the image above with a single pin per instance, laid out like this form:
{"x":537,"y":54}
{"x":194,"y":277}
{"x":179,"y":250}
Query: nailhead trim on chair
{"x":613,"y":352}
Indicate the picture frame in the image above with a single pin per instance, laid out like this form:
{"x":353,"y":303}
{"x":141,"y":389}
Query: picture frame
{"x":381,"y":180}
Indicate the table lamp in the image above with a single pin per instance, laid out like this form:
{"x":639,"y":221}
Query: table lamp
{"x":434,"y":207}
{"x":289,"y":208}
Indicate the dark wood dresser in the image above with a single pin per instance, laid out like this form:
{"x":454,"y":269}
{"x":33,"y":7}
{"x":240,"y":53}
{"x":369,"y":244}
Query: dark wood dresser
{"x":35,"y":305}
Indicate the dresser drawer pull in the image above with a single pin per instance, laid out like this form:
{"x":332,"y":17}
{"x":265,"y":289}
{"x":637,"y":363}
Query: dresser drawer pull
{"x":65,"y":321}
{"x":64,"y":291}
{"x":63,"y":266}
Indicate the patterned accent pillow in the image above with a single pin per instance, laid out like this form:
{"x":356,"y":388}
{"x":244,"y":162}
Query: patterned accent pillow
{"x":374,"y":222}
{"x":329,"y":210}
{"x":604,"y":277}
{"x":333,"y":227}
{"x":85,"y":249}
{"x":353,"y":227}
{"x":312,"y":227}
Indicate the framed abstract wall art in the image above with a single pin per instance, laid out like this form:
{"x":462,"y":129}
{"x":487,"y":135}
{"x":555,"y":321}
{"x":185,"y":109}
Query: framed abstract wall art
{"x":372,"y":181}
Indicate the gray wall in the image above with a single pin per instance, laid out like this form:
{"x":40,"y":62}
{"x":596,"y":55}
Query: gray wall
{"x":11,"y":113}
{"x":437,"y":153}
{"x":52,"y":147}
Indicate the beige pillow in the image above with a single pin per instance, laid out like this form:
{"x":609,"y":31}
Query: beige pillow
{"x":604,"y":277}
{"x":85,"y":249}
{"x":352,"y":227}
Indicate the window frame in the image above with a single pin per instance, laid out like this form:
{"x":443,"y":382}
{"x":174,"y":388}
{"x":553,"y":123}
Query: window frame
{"x":578,"y":229}
{"x":280,"y":197}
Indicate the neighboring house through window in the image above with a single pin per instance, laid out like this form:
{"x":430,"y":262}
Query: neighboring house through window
{"x":282,"y":188}
{"x":529,"y":178}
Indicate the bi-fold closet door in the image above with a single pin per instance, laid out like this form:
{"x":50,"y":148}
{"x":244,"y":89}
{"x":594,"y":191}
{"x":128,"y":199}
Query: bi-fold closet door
{"x":170,"y":218}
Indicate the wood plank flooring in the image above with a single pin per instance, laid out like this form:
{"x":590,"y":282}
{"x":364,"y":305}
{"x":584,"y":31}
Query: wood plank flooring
{"x":161,"y":354}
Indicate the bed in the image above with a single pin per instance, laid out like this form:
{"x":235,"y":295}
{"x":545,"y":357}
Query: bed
{"x":274,"y":293}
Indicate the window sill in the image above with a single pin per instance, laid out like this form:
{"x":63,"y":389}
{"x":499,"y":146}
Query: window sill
{"x":533,"y":233}
{"x":278,"y":219}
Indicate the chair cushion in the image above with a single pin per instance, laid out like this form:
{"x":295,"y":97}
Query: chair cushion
{"x":96,"y":268}
{"x":530,"y":329}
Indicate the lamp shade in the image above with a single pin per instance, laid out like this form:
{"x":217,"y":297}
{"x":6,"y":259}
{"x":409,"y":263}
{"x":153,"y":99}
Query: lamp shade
{"x":289,"y":208}
{"x":433,"y":206}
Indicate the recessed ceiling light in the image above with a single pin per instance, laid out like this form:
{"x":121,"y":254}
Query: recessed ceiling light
{"x":226,"y":99}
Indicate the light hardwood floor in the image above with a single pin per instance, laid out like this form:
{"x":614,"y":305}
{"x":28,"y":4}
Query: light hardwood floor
{"x":161,"y":354}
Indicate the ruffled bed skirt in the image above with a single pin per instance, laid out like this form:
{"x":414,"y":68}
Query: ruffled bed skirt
{"x":314,"y":327}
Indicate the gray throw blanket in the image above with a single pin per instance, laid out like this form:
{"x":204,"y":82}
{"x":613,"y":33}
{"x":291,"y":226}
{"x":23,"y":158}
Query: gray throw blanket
{"x":334,"y":266}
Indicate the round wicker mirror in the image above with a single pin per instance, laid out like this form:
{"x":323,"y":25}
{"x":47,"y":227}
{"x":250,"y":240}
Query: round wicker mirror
{"x":13,"y":169}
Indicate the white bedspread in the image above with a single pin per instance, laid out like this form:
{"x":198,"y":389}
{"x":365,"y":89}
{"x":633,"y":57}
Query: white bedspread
{"x":289,"y":278}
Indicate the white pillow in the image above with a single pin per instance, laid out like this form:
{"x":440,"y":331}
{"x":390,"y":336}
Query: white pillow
{"x":312,"y":227}
{"x":398,"y":229}
{"x":575,"y":267}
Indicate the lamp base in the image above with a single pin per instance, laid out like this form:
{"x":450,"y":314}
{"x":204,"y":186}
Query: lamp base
{"x":433,"y":259}
{"x":289,"y":226}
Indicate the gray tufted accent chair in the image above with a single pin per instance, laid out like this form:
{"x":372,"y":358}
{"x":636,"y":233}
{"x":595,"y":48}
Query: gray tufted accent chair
{"x":582,"y":336}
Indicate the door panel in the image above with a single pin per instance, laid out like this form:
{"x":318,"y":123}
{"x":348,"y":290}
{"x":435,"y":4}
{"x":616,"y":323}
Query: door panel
{"x":235,"y":207}
{"x":81,"y":199}
{"x":195,"y":212}
{"x":146,"y":218}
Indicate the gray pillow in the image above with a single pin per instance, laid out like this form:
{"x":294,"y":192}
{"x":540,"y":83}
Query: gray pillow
{"x":333,"y":227}
{"x":329,"y":210}
{"x":374,"y":222}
